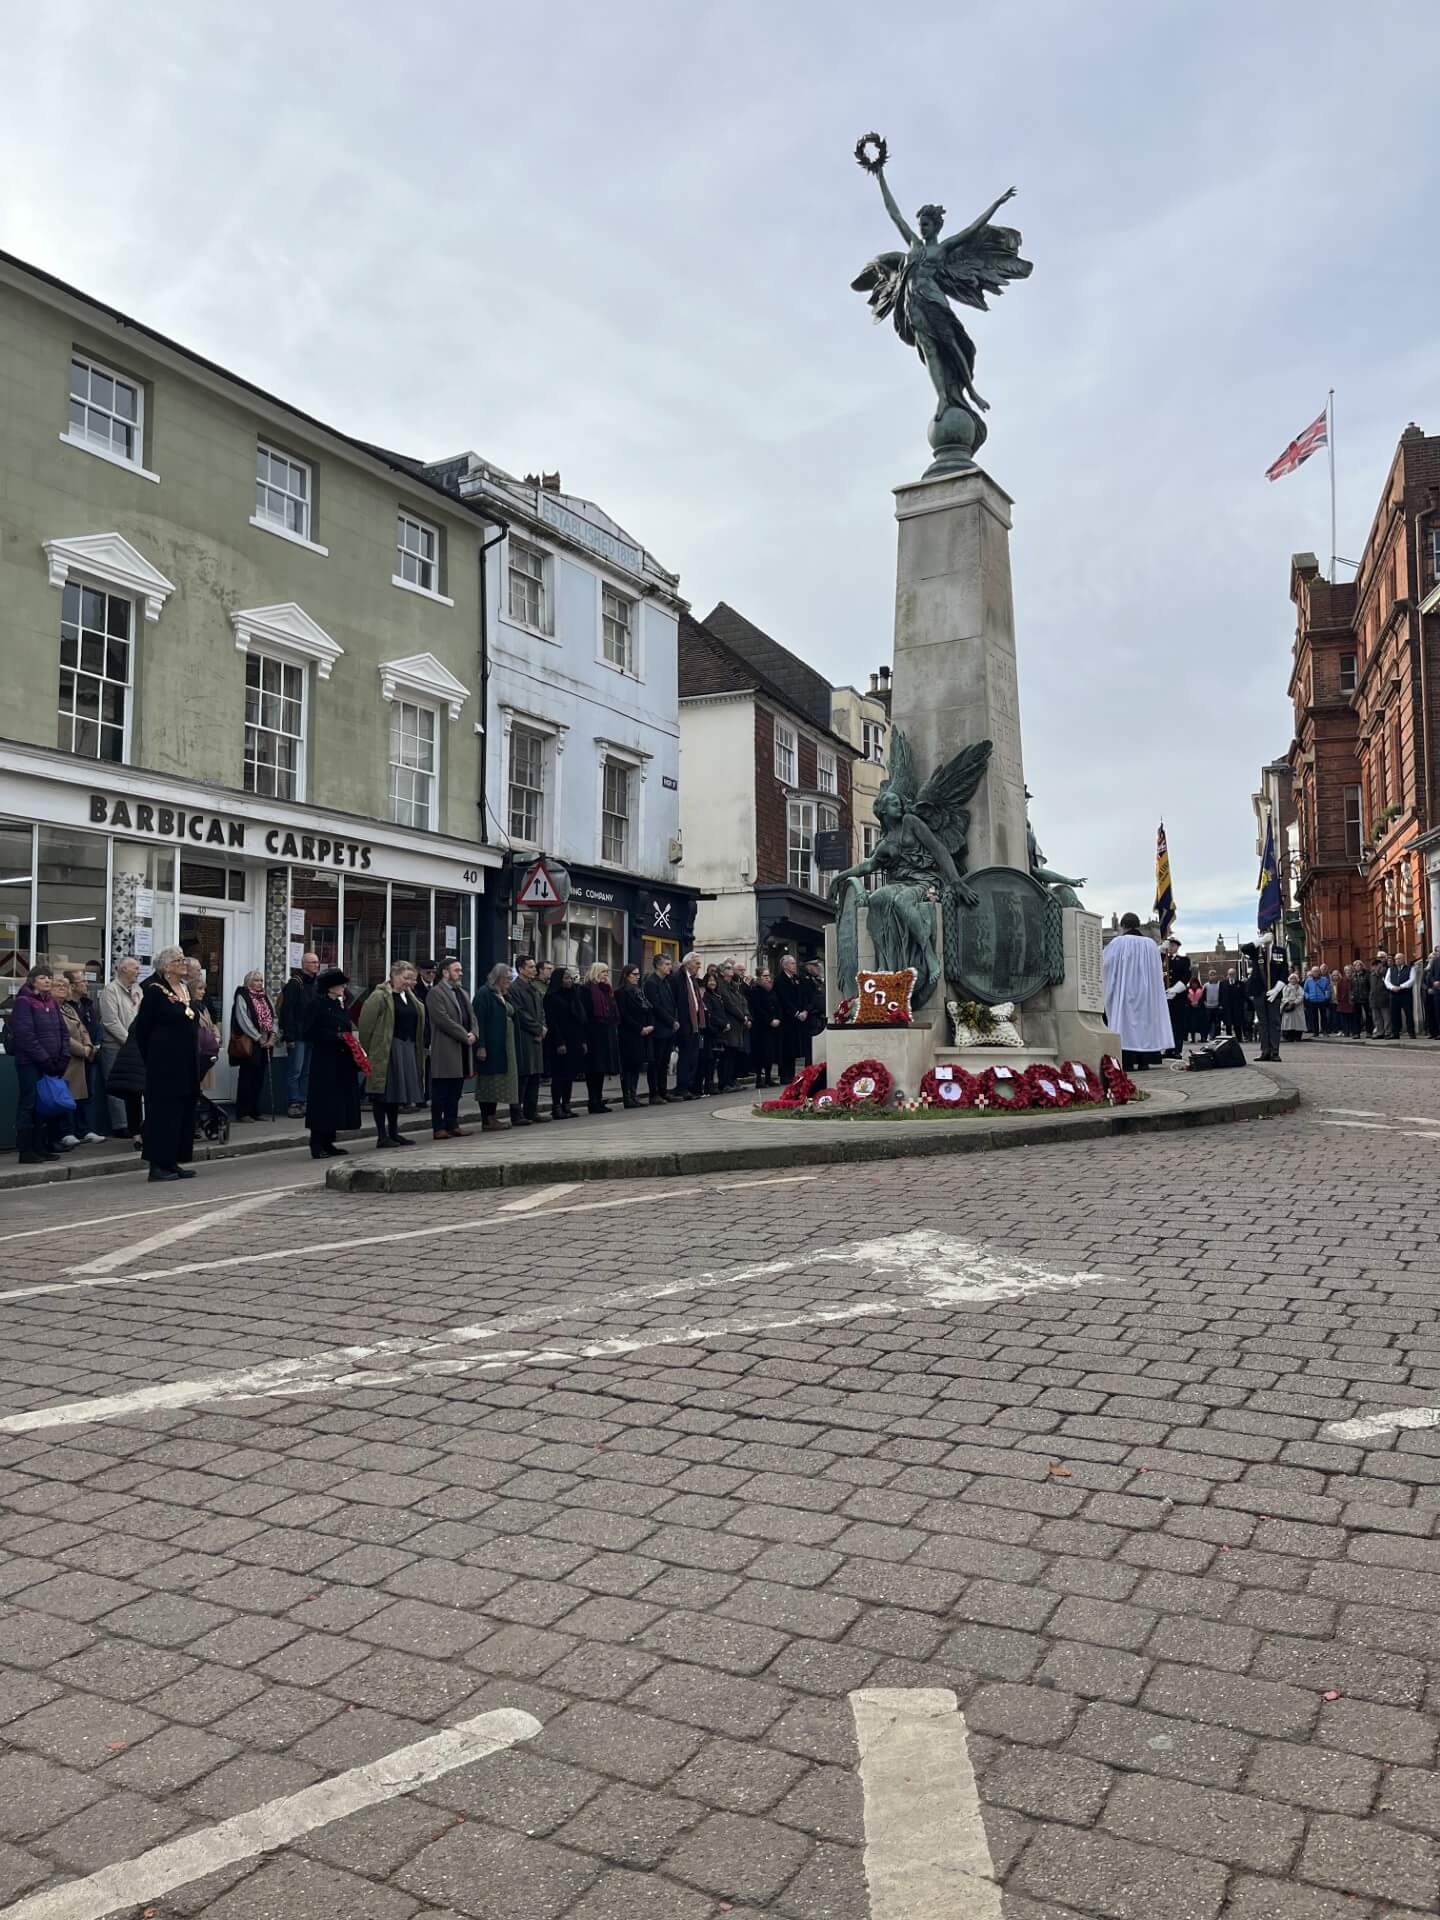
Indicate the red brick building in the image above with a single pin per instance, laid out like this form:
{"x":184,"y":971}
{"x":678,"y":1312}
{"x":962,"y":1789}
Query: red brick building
{"x":762,"y":775}
{"x":1367,"y":719}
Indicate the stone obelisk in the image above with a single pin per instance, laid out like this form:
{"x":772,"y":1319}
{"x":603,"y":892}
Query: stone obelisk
{"x":955,"y":678}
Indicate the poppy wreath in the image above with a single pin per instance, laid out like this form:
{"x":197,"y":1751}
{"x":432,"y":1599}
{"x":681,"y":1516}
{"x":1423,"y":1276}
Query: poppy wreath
{"x":1044,"y":1087}
{"x":958,"y":1089}
{"x":1119,"y":1087}
{"x":867,"y":1083}
{"x":1004,"y":1087}
{"x":798,"y":1093}
{"x":1085,"y":1080}
{"x":829,"y":1099}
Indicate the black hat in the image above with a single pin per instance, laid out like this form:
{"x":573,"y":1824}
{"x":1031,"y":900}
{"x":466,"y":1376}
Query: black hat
{"x":330,"y":977}
{"x":427,"y":966}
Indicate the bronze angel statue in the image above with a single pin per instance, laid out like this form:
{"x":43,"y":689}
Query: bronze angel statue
{"x":924,"y":839}
{"x":914,"y":289}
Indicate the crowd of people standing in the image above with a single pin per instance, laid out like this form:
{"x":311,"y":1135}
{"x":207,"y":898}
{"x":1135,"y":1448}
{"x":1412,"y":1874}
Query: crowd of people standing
{"x":139,"y":1058}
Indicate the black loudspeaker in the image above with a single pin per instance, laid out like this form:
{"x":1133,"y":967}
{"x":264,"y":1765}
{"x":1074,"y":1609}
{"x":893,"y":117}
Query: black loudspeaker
{"x":1217,"y":1053}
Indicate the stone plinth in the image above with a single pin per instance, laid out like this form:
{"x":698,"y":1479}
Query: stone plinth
{"x":908,"y":1052}
{"x":955,"y":679}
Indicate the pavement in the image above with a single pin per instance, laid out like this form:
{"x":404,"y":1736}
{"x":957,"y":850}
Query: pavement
{"x":1015,"y":1536}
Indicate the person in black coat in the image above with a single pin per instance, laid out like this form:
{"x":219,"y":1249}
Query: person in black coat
{"x":333,"y":1103}
{"x":166,"y":1032}
{"x":798,"y":1024}
{"x":764,"y":1028}
{"x":1266,"y":971}
{"x":660,"y":992}
{"x":637,"y":1029}
{"x":565,"y":1040}
{"x":602,"y":1034}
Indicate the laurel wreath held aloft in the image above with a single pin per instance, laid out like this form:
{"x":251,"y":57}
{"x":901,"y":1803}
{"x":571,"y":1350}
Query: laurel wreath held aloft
{"x":872,"y":152}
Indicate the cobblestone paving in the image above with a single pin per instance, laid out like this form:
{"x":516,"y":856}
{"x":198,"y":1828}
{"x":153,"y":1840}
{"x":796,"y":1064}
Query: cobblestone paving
{"x":1194,"y":1636}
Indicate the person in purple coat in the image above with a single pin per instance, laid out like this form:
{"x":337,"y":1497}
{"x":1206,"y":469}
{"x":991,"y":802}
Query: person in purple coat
{"x":38,"y":1044}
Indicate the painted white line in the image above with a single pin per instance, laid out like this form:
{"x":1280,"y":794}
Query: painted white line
{"x":929,"y":1268}
{"x":1373,"y":1426}
{"x":926,"y":1855}
{"x":1370,"y":1126}
{"x":1358,"y":1113}
{"x":771,"y":1180}
{"x":1421,"y":1119}
{"x":143,"y":1213}
{"x":541,"y":1197}
{"x":167,"y":1236}
{"x":160,"y":1871}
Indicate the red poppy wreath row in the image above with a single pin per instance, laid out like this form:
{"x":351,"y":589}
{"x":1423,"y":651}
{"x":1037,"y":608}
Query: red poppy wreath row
{"x":1022,"y":1089}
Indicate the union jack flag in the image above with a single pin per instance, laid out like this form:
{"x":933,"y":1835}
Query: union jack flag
{"x":1300,"y":448}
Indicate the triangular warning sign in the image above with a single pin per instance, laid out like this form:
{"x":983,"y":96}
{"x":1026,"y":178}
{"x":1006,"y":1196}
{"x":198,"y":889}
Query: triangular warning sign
{"x":537,"y":889}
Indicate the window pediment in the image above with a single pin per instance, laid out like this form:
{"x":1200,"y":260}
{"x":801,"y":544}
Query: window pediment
{"x":110,"y":558}
{"x":290,"y":631}
{"x":427,"y":678}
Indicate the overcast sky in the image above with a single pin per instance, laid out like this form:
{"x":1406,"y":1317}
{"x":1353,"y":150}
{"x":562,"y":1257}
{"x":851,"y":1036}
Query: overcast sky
{"x":619,"y":240}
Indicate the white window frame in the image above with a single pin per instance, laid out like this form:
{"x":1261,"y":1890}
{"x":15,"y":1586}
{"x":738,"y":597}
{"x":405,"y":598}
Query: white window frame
{"x":423,"y":709}
{"x":787,"y":745}
{"x":800,"y":815}
{"x":280,"y":658}
{"x":405,"y":519}
{"x":132,"y":641}
{"x":827,"y":771}
{"x":827,"y":820}
{"x":1354,"y":660}
{"x":547,"y":736}
{"x":543,"y":582}
{"x":1355,"y":819}
{"x":268,"y":525}
{"x":72,"y":438}
{"x":630,"y":667}
{"x":612,"y":764}
{"x":872,"y":741}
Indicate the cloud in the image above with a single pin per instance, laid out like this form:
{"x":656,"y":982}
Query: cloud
{"x":619,"y":241}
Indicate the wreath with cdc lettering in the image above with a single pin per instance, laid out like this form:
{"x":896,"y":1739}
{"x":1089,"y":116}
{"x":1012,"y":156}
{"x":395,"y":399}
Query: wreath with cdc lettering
{"x":950,"y":1087}
{"x":1005,"y":1087}
{"x":798,"y":1093}
{"x":867,"y":1083}
{"x":1119,"y":1087}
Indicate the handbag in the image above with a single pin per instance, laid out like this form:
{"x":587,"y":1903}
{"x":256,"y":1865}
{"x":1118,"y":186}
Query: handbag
{"x":241,"y":1048}
{"x":356,"y":1051}
{"x":52,"y":1097}
{"x":208,"y":1041}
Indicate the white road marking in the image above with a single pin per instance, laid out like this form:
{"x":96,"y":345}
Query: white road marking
{"x":931,"y":1270}
{"x":541,"y":1197}
{"x":130,"y":1883}
{"x":142,"y":1213}
{"x":771,"y":1180}
{"x":1421,"y":1119}
{"x":1373,"y":1426}
{"x":167,"y":1236}
{"x":926,"y":1855}
{"x":1359,"y":1113}
{"x":1370,"y":1126}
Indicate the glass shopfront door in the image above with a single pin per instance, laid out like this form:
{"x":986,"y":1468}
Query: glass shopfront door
{"x":218,"y":937}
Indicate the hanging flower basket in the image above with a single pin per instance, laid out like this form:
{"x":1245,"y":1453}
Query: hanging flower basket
{"x":868,"y":1083}
{"x":950,"y":1087}
{"x":1002,"y":1087}
{"x":1119,"y":1087}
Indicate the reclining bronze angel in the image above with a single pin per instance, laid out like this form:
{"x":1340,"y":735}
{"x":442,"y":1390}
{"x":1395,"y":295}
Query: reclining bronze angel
{"x":921,"y":856}
{"x":914,"y":289}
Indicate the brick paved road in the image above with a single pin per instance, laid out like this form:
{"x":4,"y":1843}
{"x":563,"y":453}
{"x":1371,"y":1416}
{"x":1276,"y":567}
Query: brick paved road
{"x":1194,"y":1638}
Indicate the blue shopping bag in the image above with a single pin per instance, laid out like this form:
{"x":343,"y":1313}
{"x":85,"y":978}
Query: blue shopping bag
{"x":52,"y":1097}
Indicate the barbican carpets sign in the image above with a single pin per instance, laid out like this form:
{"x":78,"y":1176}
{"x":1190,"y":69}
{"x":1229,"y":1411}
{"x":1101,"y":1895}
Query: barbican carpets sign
{"x":219,"y":830}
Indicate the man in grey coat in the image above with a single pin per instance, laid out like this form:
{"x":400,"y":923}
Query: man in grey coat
{"x":450,"y":1019}
{"x":528,"y":1003}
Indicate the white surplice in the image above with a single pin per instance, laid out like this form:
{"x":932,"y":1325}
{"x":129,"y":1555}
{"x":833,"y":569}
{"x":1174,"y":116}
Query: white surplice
{"x":1135,"y":994}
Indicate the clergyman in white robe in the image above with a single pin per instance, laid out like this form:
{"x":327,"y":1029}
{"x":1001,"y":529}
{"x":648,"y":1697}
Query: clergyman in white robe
{"x":1135,"y":997}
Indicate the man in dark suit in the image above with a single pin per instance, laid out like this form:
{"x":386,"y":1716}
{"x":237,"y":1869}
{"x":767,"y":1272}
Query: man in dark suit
{"x":689,"y":1026}
{"x":1267,"y":973}
{"x":798,"y":1024}
{"x":659,"y":991}
{"x":1177,"y":981}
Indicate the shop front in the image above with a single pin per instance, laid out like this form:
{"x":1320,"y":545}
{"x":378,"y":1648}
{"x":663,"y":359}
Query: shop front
{"x":601,"y":918}
{"x":93,"y":869}
{"x":789,"y":920}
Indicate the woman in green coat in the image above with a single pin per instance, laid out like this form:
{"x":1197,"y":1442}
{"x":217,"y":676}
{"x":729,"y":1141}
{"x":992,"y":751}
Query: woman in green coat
{"x":496,"y":1078}
{"x":392,"y":1032}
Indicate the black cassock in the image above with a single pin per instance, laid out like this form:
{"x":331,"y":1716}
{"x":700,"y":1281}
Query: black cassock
{"x":166,"y":1033}
{"x":333,"y":1105}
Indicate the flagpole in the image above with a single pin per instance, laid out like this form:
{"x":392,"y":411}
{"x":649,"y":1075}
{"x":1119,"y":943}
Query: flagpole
{"x":1330,"y":438}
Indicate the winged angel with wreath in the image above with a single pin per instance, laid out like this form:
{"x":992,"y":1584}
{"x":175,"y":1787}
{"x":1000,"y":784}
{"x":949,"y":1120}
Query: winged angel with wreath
{"x":914,"y":289}
{"x":920,"y":858}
